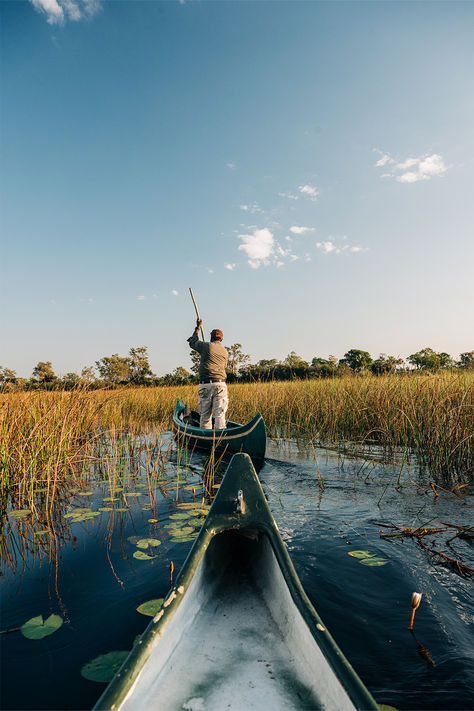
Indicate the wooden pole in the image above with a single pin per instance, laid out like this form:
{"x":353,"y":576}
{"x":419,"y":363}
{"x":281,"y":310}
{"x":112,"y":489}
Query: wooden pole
{"x":197,"y":312}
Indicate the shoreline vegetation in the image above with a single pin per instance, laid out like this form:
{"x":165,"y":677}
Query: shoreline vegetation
{"x":48,"y":438}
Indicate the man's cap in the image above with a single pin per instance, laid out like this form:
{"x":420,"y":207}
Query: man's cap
{"x":217,"y":333}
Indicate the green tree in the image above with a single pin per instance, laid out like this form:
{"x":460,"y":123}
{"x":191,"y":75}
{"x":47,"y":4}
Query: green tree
{"x":88,"y":374}
{"x":466,"y":360}
{"x":43,"y":373}
{"x":428,"y":359}
{"x":385,"y":364}
{"x":357,"y":360}
{"x":237,"y":359}
{"x":139,"y":366}
{"x":114,"y":369}
{"x":196,"y":360}
{"x":71,"y":380}
{"x":7,"y":375}
{"x":319,"y":361}
{"x":270,"y":364}
{"x":293,"y":360}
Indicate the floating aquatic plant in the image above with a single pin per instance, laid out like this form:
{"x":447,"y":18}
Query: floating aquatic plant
{"x":104,"y":667}
{"x":368,"y":558}
{"x":151,"y":607}
{"x":19,"y":513}
{"x":141,"y":555}
{"x":37,"y":628}
{"x":148,"y":543}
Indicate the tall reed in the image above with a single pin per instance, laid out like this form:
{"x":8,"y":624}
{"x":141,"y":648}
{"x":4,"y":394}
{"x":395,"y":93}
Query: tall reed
{"x":46,"y":436}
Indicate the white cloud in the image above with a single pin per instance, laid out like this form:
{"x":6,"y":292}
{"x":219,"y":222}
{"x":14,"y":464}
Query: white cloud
{"x":412,"y":170}
{"x":384,"y":158}
{"x":289,"y":196}
{"x":174,"y":292}
{"x":231,"y":166}
{"x":141,"y":298}
{"x":259,"y":247}
{"x":326,"y":246}
{"x":210,"y":271}
{"x":310,"y":191}
{"x":230,"y":267}
{"x":331,"y":246}
{"x":301,"y":230}
{"x":252,"y":208}
{"x":57,"y":11}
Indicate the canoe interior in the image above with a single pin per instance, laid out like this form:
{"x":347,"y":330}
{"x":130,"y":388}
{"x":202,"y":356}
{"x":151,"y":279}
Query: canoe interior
{"x":194,"y":419}
{"x":237,"y":641}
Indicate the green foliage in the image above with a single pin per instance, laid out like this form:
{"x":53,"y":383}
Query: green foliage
{"x":368,"y":558}
{"x":19,"y":513}
{"x":104,"y":667}
{"x":466,"y":360}
{"x":141,"y":555}
{"x":385,"y":364}
{"x":237,"y":358}
{"x":114,"y":369}
{"x":196,"y":360}
{"x":43,"y":372}
{"x":148,"y":543}
{"x":7,"y":376}
{"x":139,"y":366}
{"x":428,"y":359}
{"x":36,"y":628}
{"x":151,"y":607}
{"x":357,"y":360}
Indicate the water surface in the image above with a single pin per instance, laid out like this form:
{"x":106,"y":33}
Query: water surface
{"x":87,"y":573}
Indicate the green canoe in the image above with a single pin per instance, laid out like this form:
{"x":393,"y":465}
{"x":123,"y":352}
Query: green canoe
{"x":236,"y":630}
{"x":250,"y":438}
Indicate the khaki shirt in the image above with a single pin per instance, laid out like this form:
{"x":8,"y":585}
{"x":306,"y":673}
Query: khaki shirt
{"x":214,"y":358}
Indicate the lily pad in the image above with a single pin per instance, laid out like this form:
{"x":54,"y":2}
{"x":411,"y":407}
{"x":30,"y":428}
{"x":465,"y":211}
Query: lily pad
{"x":374,"y":561}
{"x":105,"y":508}
{"x":148,"y":543}
{"x":84,"y":493}
{"x":122,"y":509}
{"x":152,"y":520}
{"x":141,"y":555}
{"x":182,"y":539}
{"x":134,"y":493}
{"x":37,"y":628}
{"x":87,"y":516}
{"x":177,"y":516}
{"x":77,"y":512}
{"x":117,"y":489}
{"x":104,"y":667}
{"x":361,"y":554}
{"x":368,"y":558}
{"x":41,"y":533}
{"x":110,"y":499}
{"x":151,"y":607}
{"x":19,"y":513}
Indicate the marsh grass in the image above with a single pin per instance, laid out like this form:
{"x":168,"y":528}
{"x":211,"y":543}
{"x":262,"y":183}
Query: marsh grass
{"x":49,"y":438}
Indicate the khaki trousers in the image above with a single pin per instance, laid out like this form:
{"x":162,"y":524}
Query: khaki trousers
{"x":213,"y":397}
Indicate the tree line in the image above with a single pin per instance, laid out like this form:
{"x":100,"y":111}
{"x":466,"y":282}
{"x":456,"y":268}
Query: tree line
{"x":134,"y":369}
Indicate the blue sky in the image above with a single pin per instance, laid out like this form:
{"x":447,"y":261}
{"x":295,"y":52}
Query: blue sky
{"x":306,"y":167}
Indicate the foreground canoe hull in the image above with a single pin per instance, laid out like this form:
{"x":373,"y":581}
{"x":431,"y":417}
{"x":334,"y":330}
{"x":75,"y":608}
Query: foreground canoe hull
{"x":250,"y":438}
{"x":237,"y":629}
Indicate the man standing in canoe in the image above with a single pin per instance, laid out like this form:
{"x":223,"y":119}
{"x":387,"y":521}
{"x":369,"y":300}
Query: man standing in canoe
{"x":212,"y":376}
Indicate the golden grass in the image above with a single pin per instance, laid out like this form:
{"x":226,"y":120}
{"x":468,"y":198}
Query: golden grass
{"x":46,"y":437}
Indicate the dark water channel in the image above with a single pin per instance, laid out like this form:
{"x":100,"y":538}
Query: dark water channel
{"x":93,"y":581}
